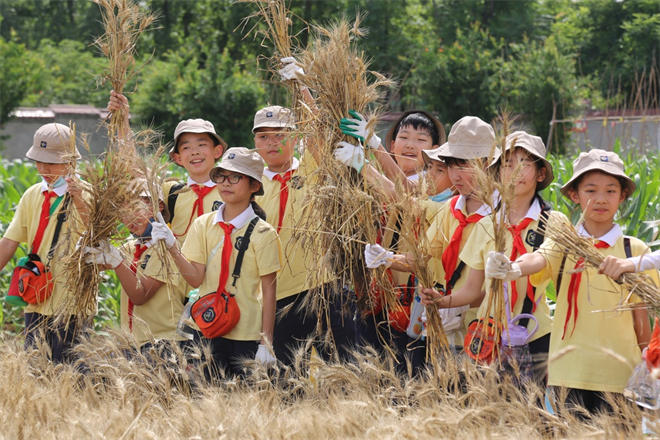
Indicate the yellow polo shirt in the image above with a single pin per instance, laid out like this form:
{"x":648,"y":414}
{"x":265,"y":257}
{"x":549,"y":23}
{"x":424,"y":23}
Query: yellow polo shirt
{"x":475,"y":255}
{"x":23,"y":229}
{"x":293,"y":278}
{"x":602,"y":351}
{"x":183,"y":215}
{"x":263,"y":256}
{"x":159,"y":316}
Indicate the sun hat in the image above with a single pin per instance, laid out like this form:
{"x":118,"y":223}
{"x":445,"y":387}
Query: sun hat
{"x":606,"y":162}
{"x":469,"y":138}
{"x":51,"y":144}
{"x":274,"y":117}
{"x":441,"y":129}
{"x":243,"y":161}
{"x":195,"y":126}
{"x":430,"y":155}
{"x":535,"y":147}
{"x":142,"y":188}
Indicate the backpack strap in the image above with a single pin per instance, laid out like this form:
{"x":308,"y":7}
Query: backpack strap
{"x":61,"y":218}
{"x":241,"y":252}
{"x":455,"y":276}
{"x":171,"y":198}
{"x":626,"y":247}
{"x":528,"y":304}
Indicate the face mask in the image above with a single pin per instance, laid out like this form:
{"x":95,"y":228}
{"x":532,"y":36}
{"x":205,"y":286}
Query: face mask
{"x":59,"y":182}
{"x":443,"y":196}
{"x":147,"y":231}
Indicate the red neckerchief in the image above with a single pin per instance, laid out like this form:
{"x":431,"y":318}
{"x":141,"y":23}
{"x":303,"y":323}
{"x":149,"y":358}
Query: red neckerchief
{"x":198,"y":206}
{"x":574,"y":288}
{"x":450,"y":255}
{"x":44,"y":216}
{"x":284,"y":194}
{"x":519,"y":249}
{"x":226,"y":256}
{"x":139,"y":250}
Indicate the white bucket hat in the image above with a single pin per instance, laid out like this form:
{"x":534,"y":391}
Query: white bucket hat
{"x":469,"y":138}
{"x":51,"y":144}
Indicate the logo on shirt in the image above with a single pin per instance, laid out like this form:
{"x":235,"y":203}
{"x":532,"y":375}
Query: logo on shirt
{"x":43,"y":144}
{"x":208,"y":315}
{"x":530,"y":239}
{"x":216,"y":205}
{"x":239,"y":242}
{"x":146,"y":259}
{"x":296,"y":182}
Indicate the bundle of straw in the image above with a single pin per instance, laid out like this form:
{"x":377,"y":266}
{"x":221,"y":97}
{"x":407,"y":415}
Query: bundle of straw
{"x":342,"y":212}
{"x":109,"y":186}
{"x":562,"y":232}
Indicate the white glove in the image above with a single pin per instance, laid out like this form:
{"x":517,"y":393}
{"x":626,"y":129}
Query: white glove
{"x":452,"y":319}
{"x":105,"y":254}
{"x":265,"y":357}
{"x":499,"y":267}
{"x":160,"y":232}
{"x":350,"y":155}
{"x":357,"y":127}
{"x":291,"y":69}
{"x":375,"y":256}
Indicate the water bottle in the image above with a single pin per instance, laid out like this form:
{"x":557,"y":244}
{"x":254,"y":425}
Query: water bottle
{"x":643,"y":388}
{"x":183,"y":328}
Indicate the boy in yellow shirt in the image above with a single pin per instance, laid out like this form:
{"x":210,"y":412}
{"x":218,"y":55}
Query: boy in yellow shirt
{"x":40,"y":210}
{"x":587,"y":330}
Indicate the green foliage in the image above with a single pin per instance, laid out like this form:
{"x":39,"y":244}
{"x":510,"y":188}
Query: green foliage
{"x":17,"y":71}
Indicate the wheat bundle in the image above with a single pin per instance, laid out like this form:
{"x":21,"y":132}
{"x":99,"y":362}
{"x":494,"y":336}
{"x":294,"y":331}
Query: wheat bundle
{"x":342,"y":212}
{"x":109,"y":189}
{"x":564,"y":234}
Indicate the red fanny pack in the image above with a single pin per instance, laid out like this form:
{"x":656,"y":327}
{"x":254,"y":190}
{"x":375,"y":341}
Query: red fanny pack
{"x":216,"y":314}
{"x":479,"y":343}
{"x":32,"y":281}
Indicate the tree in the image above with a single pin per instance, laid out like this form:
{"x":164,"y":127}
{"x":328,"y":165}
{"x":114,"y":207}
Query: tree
{"x":17,"y":68}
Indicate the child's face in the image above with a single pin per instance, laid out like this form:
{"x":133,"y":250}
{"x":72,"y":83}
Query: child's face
{"x":521,"y":164}
{"x":407,"y":148}
{"x":52,"y":171}
{"x":599,"y":195}
{"x":438,"y":175}
{"x":461,"y":175}
{"x":236,"y":188}
{"x":275,"y":145}
{"x":136,"y":217}
{"x":196,"y":153}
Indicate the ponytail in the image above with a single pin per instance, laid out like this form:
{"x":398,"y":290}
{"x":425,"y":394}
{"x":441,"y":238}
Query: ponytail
{"x":258,"y":210}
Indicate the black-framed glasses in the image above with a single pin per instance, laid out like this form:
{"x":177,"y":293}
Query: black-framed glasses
{"x":232,"y":178}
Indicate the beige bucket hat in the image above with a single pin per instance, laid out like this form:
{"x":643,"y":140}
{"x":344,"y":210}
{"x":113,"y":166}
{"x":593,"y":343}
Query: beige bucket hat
{"x":274,"y":117}
{"x":51,"y":144}
{"x":442,"y":136}
{"x":430,"y":155}
{"x":607,"y":162}
{"x":534,"y":146}
{"x":195,"y":126}
{"x":243,"y":161}
{"x":141,"y":188}
{"x":469,"y":138}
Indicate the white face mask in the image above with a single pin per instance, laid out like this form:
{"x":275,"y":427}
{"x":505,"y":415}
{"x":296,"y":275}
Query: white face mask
{"x":59,"y":182}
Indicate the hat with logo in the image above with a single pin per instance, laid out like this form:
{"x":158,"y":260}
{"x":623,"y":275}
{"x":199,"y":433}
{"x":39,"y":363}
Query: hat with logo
{"x":274,"y":117}
{"x":536,"y":148}
{"x":52,"y":144}
{"x":438,"y":125}
{"x":606,"y":162}
{"x":243,"y":161}
{"x":195,"y":126}
{"x":469,"y":138}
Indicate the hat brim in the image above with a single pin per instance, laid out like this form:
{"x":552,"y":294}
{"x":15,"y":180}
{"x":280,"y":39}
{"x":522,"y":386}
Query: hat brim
{"x":389,"y":137}
{"x":430,"y":155}
{"x":549,"y":173}
{"x":228,"y":167}
{"x":175,"y":148}
{"x":273,"y":124}
{"x":467,"y":152}
{"x":54,"y":157}
{"x":597,"y":166}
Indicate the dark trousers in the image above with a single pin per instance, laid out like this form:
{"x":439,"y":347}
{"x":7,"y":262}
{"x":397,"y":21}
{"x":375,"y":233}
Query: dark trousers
{"x":293,"y":327}
{"x":592,"y":401}
{"x":375,"y":331}
{"x":539,"y":350}
{"x":60,"y":339}
{"x":228,"y":356}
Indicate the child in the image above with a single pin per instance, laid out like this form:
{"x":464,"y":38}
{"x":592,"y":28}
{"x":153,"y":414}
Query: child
{"x":527,"y":217}
{"x":149,"y":309}
{"x":591,"y":352}
{"x":209,"y":256}
{"x":42,"y":208}
{"x":470,"y":138}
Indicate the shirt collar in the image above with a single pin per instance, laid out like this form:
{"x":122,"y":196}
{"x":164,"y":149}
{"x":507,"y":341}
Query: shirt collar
{"x":239,"y":221}
{"x":60,"y":190}
{"x":483,"y":210}
{"x":209,"y":183}
{"x":295,"y":163}
{"x":610,"y":238}
{"x":415,"y":177}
